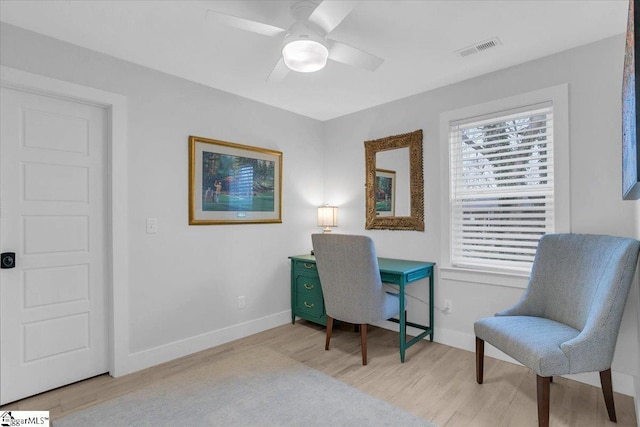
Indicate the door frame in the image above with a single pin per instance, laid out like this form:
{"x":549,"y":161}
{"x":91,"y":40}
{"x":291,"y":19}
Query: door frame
{"x":116,"y":208}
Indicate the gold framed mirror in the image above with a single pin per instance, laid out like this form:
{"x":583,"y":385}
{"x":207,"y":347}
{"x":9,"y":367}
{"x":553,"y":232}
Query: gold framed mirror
{"x":394,"y":201}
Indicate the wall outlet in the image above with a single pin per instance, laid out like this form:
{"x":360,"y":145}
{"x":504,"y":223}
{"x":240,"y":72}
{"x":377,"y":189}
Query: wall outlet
{"x":242,"y":303}
{"x":448,"y":306}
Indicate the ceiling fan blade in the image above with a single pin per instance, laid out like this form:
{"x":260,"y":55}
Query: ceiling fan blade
{"x":329,"y":14}
{"x":279,"y":72}
{"x":353,"y":56}
{"x":217,"y":18}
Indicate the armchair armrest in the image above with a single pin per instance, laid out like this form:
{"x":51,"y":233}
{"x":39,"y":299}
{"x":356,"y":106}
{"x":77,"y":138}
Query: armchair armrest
{"x":592,"y":350}
{"x":526,"y":306}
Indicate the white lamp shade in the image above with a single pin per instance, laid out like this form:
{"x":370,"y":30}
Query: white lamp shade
{"x":305,"y":56}
{"x":327,"y":216}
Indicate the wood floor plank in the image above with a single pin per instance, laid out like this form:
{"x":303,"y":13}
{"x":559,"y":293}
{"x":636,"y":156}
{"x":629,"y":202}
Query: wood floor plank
{"x":437,"y":382}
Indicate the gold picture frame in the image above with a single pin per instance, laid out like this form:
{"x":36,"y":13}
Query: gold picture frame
{"x":415,"y":219}
{"x":231,"y":183}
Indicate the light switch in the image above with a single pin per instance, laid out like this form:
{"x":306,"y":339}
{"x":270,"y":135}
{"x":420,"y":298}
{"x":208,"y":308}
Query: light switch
{"x":152,"y":225}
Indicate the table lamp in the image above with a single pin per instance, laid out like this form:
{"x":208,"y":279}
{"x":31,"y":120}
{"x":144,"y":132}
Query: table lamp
{"x":327,"y":217}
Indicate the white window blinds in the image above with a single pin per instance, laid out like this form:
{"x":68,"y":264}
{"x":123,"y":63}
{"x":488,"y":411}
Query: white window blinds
{"x":502,"y":192}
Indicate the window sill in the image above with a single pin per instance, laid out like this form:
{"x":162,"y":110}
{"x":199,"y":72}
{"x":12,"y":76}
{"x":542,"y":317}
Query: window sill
{"x":510,"y":280}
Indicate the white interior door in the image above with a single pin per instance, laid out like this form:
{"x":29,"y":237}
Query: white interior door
{"x":53,"y":328}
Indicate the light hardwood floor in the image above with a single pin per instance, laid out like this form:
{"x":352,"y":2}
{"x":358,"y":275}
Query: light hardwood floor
{"x":437,"y":382}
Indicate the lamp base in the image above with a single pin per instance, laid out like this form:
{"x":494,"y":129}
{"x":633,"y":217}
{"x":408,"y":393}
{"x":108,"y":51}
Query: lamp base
{"x":326,"y":230}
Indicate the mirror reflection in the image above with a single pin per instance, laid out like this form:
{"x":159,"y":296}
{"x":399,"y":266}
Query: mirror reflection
{"x":392,"y":182}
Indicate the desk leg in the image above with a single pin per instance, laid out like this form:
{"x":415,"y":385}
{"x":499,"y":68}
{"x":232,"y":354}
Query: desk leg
{"x":403,"y":322}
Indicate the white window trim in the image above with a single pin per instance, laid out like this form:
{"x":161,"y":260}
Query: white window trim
{"x":559,"y":96}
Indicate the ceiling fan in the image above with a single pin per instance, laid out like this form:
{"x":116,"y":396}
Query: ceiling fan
{"x":305,"y":46}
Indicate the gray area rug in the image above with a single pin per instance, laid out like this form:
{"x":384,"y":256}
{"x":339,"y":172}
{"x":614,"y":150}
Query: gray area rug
{"x":245,"y":389}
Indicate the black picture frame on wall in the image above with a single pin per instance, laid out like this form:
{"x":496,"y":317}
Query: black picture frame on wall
{"x":630,"y":108}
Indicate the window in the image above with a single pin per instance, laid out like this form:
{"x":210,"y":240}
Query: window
{"x":503,"y":194}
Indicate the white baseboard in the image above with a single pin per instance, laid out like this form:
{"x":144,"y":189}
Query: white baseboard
{"x":622,"y":383}
{"x":154,"y":356}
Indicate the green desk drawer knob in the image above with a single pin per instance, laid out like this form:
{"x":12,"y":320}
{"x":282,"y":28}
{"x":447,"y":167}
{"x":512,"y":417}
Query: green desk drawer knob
{"x":309,"y":266}
{"x":306,"y":304}
{"x":308,"y":287}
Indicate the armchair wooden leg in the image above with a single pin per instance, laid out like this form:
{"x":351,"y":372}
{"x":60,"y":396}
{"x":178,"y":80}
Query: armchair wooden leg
{"x":479,"y":360}
{"x":329,"y":329}
{"x":607,"y":391}
{"x":544,"y":384}
{"x":363,"y":342}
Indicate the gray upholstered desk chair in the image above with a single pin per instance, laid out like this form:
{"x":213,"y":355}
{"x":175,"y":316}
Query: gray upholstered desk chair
{"x":568,"y":319}
{"x":351,"y":284}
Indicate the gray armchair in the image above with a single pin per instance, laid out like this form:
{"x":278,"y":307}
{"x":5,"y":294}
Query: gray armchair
{"x":567,"y":321}
{"x":351,"y":284}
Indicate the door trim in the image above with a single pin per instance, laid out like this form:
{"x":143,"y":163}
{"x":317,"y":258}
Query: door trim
{"x":117,"y":205}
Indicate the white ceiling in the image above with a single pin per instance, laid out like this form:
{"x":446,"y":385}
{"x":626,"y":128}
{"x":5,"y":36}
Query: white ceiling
{"x":417,"y":40}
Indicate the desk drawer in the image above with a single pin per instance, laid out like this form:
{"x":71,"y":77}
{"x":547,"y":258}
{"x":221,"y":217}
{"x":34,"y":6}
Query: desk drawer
{"x":307,"y":266}
{"x":390,"y":278}
{"x":410,"y":277}
{"x":308,"y":295}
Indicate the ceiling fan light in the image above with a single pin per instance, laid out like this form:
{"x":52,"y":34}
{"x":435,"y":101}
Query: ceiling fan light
{"x":305,"y":56}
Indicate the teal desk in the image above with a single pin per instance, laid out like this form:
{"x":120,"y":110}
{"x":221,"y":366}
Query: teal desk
{"x":307,"y":301}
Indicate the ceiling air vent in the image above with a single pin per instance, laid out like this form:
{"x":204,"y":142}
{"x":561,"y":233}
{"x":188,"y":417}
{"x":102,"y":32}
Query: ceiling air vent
{"x":479,"y":47}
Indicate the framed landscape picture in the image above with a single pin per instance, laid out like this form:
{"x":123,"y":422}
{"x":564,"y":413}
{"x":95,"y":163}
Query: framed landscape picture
{"x":385,"y":192}
{"x":630,"y":81}
{"x":233,"y":184}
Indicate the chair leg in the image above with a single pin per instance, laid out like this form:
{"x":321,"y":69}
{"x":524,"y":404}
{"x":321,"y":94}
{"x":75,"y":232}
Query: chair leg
{"x":363,"y":342}
{"x":329,"y":329}
{"x":479,"y":360}
{"x":544,"y":384}
{"x":607,"y":391}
